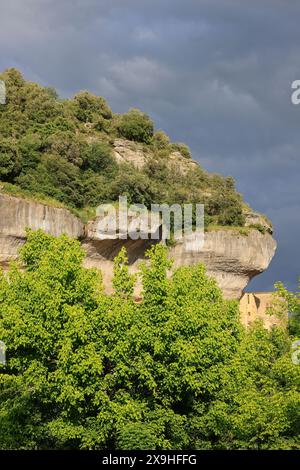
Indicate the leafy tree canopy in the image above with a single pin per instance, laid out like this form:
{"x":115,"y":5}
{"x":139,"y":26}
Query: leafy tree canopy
{"x":86,"y":370}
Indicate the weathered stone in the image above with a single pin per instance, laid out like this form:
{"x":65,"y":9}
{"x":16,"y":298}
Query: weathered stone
{"x":126,"y":151}
{"x":18,"y":214}
{"x":263,"y":306}
{"x":231,"y":258}
{"x":134,"y":153}
{"x":256,"y":219}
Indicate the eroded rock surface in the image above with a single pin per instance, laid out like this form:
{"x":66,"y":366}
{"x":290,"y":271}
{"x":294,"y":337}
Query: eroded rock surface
{"x":231,"y":258}
{"x":17,"y":214}
{"x":126,"y":151}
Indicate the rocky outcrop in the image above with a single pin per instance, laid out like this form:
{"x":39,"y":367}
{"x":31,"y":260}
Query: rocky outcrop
{"x":126,"y":151}
{"x":134,"y":153}
{"x":255,"y":219}
{"x":17,"y":214}
{"x":231,"y":258}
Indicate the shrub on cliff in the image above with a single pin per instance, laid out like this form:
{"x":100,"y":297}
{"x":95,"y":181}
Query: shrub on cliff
{"x":136,"y":125}
{"x":98,"y":157}
{"x":160,"y":140}
{"x":88,"y":107}
{"x":225,"y":207}
{"x":137,"y":187}
{"x":183,"y":149}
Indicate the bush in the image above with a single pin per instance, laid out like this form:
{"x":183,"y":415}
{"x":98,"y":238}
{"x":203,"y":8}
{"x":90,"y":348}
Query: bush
{"x":98,"y":157}
{"x":67,"y":145}
{"x":89,"y":107}
{"x":160,"y":140}
{"x":56,"y":178}
{"x":40,"y":107}
{"x":232,"y":215}
{"x":183,"y":149}
{"x":10,"y":160}
{"x":136,"y":186}
{"x":259,"y":227}
{"x":30,"y":147}
{"x":136,"y":126}
{"x":96,"y":189}
{"x":226,"y":208}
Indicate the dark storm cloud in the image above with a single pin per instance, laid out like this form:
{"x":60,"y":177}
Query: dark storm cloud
{"x":215,"y":74}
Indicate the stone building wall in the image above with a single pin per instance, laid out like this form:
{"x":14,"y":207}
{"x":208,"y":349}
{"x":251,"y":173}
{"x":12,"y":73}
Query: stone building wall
{"x":254,"y":306}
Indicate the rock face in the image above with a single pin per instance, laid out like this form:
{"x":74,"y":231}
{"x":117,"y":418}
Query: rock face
{"x":253,"y":219}
{"x":16,"y":215}
{"x":126,"y":151}
{"x":231,"y":258}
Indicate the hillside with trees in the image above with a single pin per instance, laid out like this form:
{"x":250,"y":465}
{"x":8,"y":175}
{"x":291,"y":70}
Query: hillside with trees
{"x":63,"y":149}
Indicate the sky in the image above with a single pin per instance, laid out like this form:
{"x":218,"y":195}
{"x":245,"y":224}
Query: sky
{"x":215,"y":74}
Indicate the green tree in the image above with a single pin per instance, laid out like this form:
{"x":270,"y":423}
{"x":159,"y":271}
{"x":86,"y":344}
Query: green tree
{"x":98,"y":157}
{"x":136,"y":125}
{"x":123,"y":282}
{"x":55,"y":177}
{"x":290,"y":301}
{"x":135,"y":185}
{"x":258,"y":403}
{"x":83,"y":367}
{"x":89,"y":107}
{"x":86,"y":370}
{"x":10,"y":159}
{"x":30,"y":151}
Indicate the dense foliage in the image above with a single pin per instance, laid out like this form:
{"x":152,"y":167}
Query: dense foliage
{"x":136,"y":126}
{"x":86,"y":370}
{"x":63,"y":149}
{"x":291,"y":301}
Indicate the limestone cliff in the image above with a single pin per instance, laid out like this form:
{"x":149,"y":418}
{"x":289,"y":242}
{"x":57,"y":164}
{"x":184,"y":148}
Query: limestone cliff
{"x":17,"y":214}
{"x":232,"y":258}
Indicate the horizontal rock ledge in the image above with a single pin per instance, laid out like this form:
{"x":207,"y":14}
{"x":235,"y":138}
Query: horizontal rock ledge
{"x":231,"y":258}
